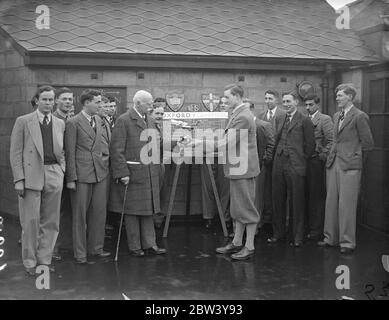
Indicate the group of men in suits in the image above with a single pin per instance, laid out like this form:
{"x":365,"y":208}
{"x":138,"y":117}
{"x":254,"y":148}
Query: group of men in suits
{"x":288,"y":155}
{"x":310,"y":169}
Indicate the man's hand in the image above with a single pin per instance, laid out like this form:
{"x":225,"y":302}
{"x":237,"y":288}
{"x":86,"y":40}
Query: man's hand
{"x":125,"y":180}
{"x":19,"y":188}
{"x":71,"y":185}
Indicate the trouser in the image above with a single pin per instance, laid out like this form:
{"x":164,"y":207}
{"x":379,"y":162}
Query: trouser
{"x":286,"y":182}
{"x":207,"y":196}
{"x":316,"y":198}
{"x":64,"y":239}
{"x":39,"y":218}
{"x":140,"y":232}
{"x":341,"y":206}
{"x":267,"y":193}
{"x":259,"y":195}
{"x":89,"y":207}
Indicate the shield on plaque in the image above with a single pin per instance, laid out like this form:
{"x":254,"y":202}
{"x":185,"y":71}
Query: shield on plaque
{"x":210,"y":101}
{"x":175,"y":101}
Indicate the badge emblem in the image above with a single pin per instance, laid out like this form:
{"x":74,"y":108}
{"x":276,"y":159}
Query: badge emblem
{"x":175,"y":101}
{"x":210,"y":101}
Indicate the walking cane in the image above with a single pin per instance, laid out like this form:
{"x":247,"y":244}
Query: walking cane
{"x":121,"y":224}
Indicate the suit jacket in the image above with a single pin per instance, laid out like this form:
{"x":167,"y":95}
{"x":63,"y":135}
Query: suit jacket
{"x":26,"y":151}
{"x":351,"y":140}
{"x":265,"y":141}
{"x":277,"y":120}
{"x":324,"y":135}
{"x":243,"y":123}
{"x":85,"y":155}
{"x":126,"y":145}
{"x":300,"y":142}
{"x":56,"y":114}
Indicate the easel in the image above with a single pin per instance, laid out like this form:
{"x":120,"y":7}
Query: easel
{"x":173,"y":194}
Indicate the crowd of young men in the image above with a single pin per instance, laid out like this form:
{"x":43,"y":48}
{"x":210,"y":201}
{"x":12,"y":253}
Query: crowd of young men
{"x":69,"y":170}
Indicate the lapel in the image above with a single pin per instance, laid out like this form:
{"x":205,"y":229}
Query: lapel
{"x":98,"y":130}
{"x":233,"y":116}
{"x":55,"y":128}
{"x":139,"y":121}
{"x":294,"y":121}
{"x":316,"y":119}
{"x":35,"y":132}
{"x":347,"y":119}
{"x":108,"y":125}
{"x":336,"y":121}
{"x":85,"y":125}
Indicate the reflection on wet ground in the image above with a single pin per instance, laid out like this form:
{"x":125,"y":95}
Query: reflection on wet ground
{"x":192,"y":270}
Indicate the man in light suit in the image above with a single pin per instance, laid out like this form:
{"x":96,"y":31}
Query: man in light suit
{"x":240,"y":135}
{"x":276,"y":116}
{"x":352,"y":141}
{"x":295,"y":143}
{"x":316,"y":189}
{"x":38,"y":165}
{"x":86,"y":177}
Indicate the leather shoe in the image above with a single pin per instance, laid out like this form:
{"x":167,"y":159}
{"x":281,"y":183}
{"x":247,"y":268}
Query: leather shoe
{"x":272,"y":240}
{"x":312,"y":237}
{"x":102,"y":254}
{"x":323,"y":244}
{"x":344,"y":250}
{"x":155,"y":250}
{"x":81,"y":260}
{"x":137,"y":253}
{"x":231,"y":235}
{"x":56,"y":257}
{"x":208,"y":224}
{"x":31,"y":272}
{"x":229,"y":248}
{"x":296,"y":244}
{"x":243,"y":254}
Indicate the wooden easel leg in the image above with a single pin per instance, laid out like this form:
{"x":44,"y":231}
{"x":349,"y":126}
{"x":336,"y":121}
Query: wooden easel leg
{"x":219,"y":206}
{"x":171,"y":200}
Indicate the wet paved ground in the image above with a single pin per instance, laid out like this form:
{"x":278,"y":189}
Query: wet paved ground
{"x":191,"y":270}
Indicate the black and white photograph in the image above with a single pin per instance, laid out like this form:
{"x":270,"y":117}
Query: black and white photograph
{"x":194,"y":154}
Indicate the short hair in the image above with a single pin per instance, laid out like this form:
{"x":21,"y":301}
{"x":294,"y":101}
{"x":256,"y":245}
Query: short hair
{"x":88,"y":95}
{"x":347,"y":88}
{"x":39,"y":91}
{"x":59,"y":91}
{"x":111,"y":98}
{"x":313,"y":97}
{"x":235,"y":89}
{"x":104,"y":98}
{"x":292,"y":93}
{"x":273,"y":92}
{"x":156,"y":100}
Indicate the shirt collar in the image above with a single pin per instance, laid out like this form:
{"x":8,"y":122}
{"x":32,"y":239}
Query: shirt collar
{"x":273,"y":111}
{"x":87,"y":116}
{"x":313,"y":115}
{"x":139,"y":114}
{"x":347,"y":109}
{"x":41,"y":116}
{"x":62,"y":114}
{"x":292,"y":114}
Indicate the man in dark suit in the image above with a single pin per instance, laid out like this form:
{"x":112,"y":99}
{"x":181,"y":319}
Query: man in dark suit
{"x":38,"y":164}
{"x":275,"y":115}
{"x":352,"y":141}
{"x":64,"y":103}
{"x":295,"y":143}
{"x":86,"y":176}
{"x":142,"y":200}
{"x":240,"y":134}
{"x":265,"y":148}
{"x":316,"y":189}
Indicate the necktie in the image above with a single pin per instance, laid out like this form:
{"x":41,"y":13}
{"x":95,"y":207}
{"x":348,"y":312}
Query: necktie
{"x":270,"y":115}
{"x":92,"y":123}
{"x":288,"y":118}
{"x":341,"y":116}
{"x":45,"y":120}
